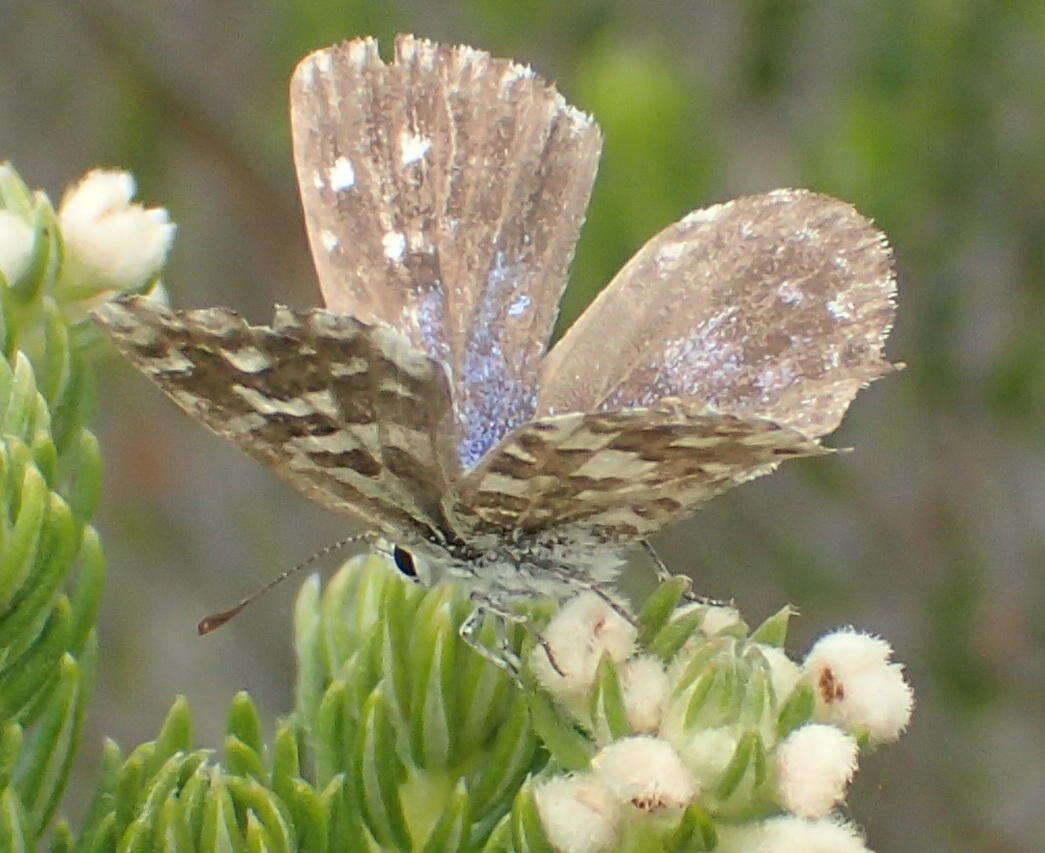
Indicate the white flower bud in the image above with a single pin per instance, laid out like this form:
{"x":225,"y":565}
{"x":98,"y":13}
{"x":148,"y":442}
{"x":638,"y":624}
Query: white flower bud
{"x":706,"y":752}
{"x":791,"y":835}
{"x":856,"y":686}
{"x":16,"y":246}
{"x":645,"y":686}
{"x":108,"y":240}
{"x":717,"y":618}
{"x":578,"y":636}
{"x":815,"y":764}
{"x":578,"y":813}
{"x":783,"y":672}
{"x":646,"y":772}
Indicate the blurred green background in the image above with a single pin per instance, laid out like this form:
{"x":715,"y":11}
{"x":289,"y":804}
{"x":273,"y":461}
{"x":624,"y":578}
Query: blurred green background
{"x":929,"y":116}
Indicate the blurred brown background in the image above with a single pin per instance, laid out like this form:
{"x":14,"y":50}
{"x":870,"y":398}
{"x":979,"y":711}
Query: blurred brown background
{"x":928,"y":116}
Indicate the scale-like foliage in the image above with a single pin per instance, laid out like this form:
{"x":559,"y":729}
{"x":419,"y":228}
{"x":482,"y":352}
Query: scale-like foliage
{"x":51,"y":561}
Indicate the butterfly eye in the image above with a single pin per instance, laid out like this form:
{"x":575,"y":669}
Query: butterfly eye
{"x":404,"y":561}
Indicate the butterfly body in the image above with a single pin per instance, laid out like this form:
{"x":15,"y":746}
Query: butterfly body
{"x":443,"y":194}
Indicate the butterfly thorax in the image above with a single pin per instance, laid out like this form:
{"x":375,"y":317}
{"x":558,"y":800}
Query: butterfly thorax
{"x":526,"y":566}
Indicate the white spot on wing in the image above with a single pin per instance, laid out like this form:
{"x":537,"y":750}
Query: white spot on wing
{"x":788,"y":293}
{"x":519,"y":306}
{"x":247,"y":359}
{"x":329,"y":240}
{"x":395,"y":244}
{"x":172,"y":362}
{"x":342,"y":175}
{"x":412,"y":148}
{"x":671,"y":252}
{"x":358,"y":51}
{"x":323,"y":402}
{"x":840,"y":308}
{"x":295,"y":407}
{"x":335,"y":442}
{"x":353,"y":367}
{"x":706,"y":214}
{"x":504,"y":484}
{"x":615,"y":464}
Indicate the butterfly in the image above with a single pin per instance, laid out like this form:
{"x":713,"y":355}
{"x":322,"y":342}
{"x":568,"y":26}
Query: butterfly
{"x":443,"y":195}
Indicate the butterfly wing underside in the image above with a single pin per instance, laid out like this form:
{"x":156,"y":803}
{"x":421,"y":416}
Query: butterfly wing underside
{"x":614,"y":477}
{"x":733,"y":340}
{"x":774,"y":306}
{"x":443,"y":195}
{"x":348,"y":413}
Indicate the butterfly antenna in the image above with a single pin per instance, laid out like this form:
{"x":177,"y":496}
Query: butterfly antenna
{"x":216,"y":620}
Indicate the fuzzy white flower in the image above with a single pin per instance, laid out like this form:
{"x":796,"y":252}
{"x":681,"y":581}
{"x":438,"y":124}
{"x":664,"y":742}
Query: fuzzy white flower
{"x":706,"y":752}
{"x":814,"y":764}
{"x":645,"y":686}
{"x":108,"y":240}
{"x":717,"y":618}
{"x":856,"y":686}
{"x":783,"y":672}
{"x":646,"y":772}
{"x":578,"y":813}
{"x":578,"y":636}
{"x":16,"y":246}
{"x":792,"y":835}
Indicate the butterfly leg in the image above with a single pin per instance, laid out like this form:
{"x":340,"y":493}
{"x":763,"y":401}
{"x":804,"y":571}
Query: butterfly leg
{"x":665,"y":574}
{"x":509,"y":660}
{"x":504,"y":657}
{"x":580,"y":580}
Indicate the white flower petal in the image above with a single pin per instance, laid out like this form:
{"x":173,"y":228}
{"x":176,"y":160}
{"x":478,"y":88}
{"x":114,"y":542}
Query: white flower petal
{"x":578,"y":635}
{"x":108,"y":240}
{"x":856,"y":687}
{"x":815,"y":764}
{"x":578,"y":813}
{"x":791,"y":835}
{"x":784,"y":672}
{"x":646,"y":772}
{"x":717,"y":618}
{"x":645,"y":686}
{"x":16,"y":246}
{"x":706,"y":752}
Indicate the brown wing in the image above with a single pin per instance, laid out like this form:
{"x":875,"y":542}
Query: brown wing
{"x":443,"y":195}
{"x":619,"y":476}
{"x":346,"y":412}
{"x":774,"y":306}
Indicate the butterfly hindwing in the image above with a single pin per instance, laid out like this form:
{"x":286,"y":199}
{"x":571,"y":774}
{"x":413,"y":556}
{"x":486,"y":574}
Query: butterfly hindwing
{"x":773,"y":306}
{"x":618,"y":476}
{"x":348,"y":413}
{"x":443,"y":195}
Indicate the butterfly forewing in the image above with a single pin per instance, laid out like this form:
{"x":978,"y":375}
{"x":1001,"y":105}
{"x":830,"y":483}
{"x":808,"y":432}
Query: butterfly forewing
{"x":346,"y":412}
{"x":774,"y":306}
{"x":443,"y":195}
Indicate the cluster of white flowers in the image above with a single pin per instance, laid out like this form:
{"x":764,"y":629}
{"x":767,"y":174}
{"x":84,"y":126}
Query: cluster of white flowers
{"x":109,"y":240}
{"x":110,"y":244}
{"x":710,"y":714}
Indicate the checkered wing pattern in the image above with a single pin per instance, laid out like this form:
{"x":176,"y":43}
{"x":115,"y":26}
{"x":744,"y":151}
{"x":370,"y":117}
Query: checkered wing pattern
{"x":613,"y":477}
{"x":348,"y":413}
{"x":443,"y":195}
